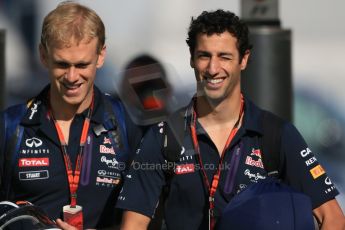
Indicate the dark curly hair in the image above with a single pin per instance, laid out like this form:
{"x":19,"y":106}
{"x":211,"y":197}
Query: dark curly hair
{"x":217,"y":22}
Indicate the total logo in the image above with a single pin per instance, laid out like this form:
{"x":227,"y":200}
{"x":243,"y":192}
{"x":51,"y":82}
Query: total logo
{"x":33,"y":162}
{"x":184,"y":168}
{"x":33,"y":142}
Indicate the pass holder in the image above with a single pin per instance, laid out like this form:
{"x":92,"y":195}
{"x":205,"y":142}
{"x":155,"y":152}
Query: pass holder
{"x":73,"y":216}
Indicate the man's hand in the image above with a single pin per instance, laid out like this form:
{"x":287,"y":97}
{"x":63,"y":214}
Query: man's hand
{"x":63,"y":225}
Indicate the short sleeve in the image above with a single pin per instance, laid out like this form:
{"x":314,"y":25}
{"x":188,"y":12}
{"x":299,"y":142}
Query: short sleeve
{"x":145,"y":179}
{"x":302,"y":170}
{"x":134,"y":132}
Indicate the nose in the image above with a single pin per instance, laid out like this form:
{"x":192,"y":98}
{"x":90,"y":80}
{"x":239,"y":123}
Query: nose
{"x":213,"y":66}
{"x":71,"y":74}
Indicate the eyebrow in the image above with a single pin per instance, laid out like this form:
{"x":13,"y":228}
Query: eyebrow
{"x":61,"y":62}
{"x":225,"y":54}
{"x":219,"y":54}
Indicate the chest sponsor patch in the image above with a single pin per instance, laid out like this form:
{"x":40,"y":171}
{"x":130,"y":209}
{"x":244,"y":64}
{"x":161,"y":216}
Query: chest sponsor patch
{"x":106,"y":141}
{"x":33,"y":162}
{"x":254,"y":176}
{"x":107,"y":181}
{"x":184,"y":169}
{"x":254,"y":159}
{"x":256,"y":163}
{"x":317,"y":171}
{"x":106,"y":150}
{"x":34,"y":146}
{"x":34,"y":175}
{"x":111,"y":162}
{"x":256,"y":152}
{"x":33,"y":142}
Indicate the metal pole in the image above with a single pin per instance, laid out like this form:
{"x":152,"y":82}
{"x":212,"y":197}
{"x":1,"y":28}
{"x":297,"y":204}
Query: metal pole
{"x":2,"y":68}
{"x":267,"y":81}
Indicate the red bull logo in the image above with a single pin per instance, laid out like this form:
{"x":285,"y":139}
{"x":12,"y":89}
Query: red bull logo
{"x":250,"y":161}
{"x":256,"y":152}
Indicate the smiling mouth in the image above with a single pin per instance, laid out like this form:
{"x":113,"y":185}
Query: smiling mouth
{"x":70,"y":86}
{"x":214,"y":80}
{"x":72,"y":90}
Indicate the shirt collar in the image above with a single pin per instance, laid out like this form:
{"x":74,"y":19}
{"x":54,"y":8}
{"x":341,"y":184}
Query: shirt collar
{"x":37,"y":111}
{"x":99,"y":110}
{"x":251,"y":119}
{"x":37,"y":108}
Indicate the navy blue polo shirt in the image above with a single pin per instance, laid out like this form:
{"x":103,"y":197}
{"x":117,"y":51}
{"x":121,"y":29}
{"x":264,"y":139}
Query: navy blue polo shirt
{"x":187,"y":204}
{"x":39,"y":173}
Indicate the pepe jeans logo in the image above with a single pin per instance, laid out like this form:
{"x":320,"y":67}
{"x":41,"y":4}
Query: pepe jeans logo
{"x":254,"y":176}
{"x":33,"y":142}
{"x":113,"y":163}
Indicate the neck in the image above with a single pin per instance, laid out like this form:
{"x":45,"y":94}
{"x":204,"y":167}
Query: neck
{"x":224,"y":112}
{"x":64,"y":111}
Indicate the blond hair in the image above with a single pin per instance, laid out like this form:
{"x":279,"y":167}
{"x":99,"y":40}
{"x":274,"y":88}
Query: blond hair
{"x":70,"y":20}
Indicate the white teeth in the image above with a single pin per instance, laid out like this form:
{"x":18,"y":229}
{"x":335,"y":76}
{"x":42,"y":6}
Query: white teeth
{"x":214,"y":81}
{"x":71,"y":86}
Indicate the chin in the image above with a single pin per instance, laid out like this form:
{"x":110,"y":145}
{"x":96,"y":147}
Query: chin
{"x":73,"y":101}
{"x":214,"y":95}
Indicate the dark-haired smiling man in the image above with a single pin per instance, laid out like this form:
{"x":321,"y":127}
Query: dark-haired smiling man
{"x":222,"y":128}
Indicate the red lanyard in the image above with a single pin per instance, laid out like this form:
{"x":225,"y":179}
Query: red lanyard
{"x":73,"y":178}
{"x":215,"y":181}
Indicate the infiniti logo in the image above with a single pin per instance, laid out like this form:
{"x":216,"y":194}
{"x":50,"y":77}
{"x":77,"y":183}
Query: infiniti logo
{"x":102,"y":172}
{"x":328,"y":181}
{"x":33,"y":142}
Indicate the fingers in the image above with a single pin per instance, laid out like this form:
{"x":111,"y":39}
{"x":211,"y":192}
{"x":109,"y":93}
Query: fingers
{"x":63,"y":225}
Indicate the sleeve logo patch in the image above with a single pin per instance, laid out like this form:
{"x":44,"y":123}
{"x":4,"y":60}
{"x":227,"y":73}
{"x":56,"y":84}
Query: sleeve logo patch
{"x":317,"y":171}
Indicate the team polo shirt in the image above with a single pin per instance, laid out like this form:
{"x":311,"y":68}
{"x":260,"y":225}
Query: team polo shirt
{"x":39,"y":173}
{"x":187,"y":203}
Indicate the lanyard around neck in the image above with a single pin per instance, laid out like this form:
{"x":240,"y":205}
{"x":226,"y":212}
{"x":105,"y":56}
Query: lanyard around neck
{"x":215,"y":181}
{"x":73,"y":178}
